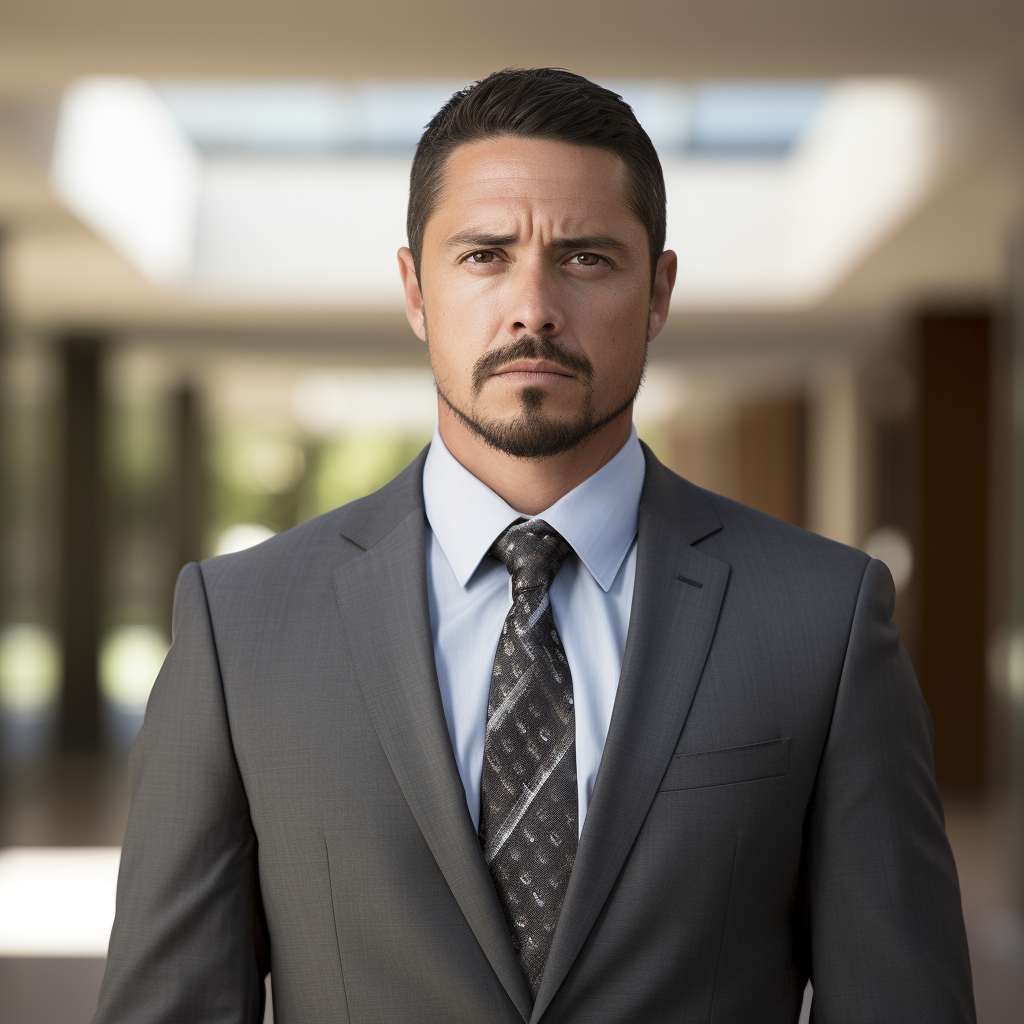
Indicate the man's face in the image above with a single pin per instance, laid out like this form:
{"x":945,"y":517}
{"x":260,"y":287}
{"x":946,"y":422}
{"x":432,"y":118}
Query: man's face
{"x":535,"y":292}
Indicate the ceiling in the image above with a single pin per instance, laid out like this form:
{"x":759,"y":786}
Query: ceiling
{"x":951,"y":248}
{"x":45,"y":42}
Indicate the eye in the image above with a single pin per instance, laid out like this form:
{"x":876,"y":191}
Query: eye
{"x":586,"y":259}
{"x":484,"y":256}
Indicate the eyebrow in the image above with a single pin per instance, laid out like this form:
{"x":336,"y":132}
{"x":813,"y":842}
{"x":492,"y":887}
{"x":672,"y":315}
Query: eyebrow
{"x":484,"y":241}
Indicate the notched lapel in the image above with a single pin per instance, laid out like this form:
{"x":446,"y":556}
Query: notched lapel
{"x":672,"y":623}
{"x":383,"y":600}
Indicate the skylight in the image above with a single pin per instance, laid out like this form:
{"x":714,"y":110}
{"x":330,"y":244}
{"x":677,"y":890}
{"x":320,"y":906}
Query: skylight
{"x":765,"y":120}
{"x":294,"y":193}
{"x":747,"y":119}
{"x":304,"y":117}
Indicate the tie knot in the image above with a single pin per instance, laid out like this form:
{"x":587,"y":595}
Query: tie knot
{"x":533,"y":553}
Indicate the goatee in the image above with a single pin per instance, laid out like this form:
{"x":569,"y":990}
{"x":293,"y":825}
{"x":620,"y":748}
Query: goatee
{"x":530,"y":434}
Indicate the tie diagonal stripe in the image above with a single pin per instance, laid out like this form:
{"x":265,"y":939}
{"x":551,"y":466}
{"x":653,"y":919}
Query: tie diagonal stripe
{"x":522,"y":805}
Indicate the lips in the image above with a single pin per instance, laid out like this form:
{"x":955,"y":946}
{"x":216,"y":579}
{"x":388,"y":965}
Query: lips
{"x":532,"y":360}
{"x":533,"y":371}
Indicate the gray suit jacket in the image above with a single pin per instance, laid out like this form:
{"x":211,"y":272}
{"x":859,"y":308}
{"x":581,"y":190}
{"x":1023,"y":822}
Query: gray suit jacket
{"x":765,"y":809}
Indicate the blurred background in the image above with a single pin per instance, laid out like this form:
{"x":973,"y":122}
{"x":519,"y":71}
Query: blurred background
{"x":202,"y":343}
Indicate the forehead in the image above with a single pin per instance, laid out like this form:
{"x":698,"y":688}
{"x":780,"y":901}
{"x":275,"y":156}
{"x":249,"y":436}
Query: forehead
{"x":505,"y":179}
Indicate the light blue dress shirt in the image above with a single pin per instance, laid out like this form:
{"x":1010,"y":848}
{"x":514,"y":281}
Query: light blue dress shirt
{"x":470,"y":595}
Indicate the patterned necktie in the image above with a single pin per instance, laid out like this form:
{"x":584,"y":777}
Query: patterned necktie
{"x":528,"y":805}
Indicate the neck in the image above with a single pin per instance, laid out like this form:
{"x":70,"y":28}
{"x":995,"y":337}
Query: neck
{"x":531,"y":485}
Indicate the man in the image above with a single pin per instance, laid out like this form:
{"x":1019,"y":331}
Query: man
{"x":539,"y":730}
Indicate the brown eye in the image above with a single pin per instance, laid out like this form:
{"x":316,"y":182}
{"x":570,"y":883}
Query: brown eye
{"x":587,"y":259}
{"x":482,"y":257}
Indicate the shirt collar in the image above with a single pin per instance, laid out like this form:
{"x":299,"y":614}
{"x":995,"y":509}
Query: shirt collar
{"x":598,"y":518}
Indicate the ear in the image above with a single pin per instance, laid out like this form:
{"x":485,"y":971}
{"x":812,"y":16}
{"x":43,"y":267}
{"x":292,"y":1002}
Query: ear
{"x":661,"y":293}
{"x":413,"y":296}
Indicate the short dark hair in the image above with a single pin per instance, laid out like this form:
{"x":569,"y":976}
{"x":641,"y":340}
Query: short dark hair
{"x":539,"y":103}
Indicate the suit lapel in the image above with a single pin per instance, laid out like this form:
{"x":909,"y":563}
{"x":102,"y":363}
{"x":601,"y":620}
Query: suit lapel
{"x":672,"y":622}
{"x":383,"y":599}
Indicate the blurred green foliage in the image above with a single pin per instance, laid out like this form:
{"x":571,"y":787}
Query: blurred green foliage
{"x":351,"y":467}
{"x":278,"y":480}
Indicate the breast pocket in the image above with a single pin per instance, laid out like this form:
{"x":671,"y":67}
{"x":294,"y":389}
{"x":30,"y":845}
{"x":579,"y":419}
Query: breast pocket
{"x":767,"y":760}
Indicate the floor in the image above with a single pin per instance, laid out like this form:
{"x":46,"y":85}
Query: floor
{"x":49,"y":991}
{"x":84,"y":802}
{"x":982,"y":841}
{"x":55,"y":991}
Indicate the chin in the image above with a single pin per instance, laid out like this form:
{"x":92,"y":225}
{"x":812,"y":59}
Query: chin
{"x":533,"y":435}
{"x":534,"y":403}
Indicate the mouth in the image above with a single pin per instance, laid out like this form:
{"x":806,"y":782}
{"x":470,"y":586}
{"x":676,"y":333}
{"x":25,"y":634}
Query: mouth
{"x":533,"y":371}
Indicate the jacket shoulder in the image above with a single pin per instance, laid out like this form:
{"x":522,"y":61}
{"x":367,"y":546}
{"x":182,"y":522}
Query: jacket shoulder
{"x":751,"y":528}
{"x":753,"y":543}
{"x":732,"y":531}
{"x":782,"y":569}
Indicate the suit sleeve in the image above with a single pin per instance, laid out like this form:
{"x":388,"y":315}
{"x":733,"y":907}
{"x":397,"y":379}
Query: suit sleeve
{"x":189,"y":940}
{"x":886,"y":932}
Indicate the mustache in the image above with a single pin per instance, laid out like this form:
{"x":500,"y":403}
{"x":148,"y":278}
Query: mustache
{"x":531,"y":347}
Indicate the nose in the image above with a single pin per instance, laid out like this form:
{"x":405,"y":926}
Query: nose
{"x":534,"y":304}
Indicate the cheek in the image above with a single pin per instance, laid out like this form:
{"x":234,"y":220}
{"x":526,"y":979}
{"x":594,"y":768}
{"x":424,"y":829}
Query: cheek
{"x":463,"y":319}
{"x":454,"y":297}
{"x":456,"y":336}
{"x":614,"y":308}
{"x":619,"y":332}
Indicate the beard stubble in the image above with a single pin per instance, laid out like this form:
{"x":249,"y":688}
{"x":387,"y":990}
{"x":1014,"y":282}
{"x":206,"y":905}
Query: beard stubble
{"x":530,"y":434}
